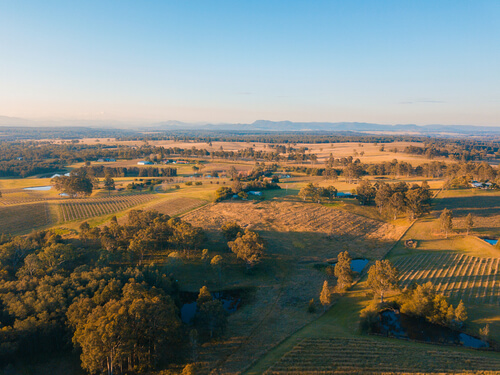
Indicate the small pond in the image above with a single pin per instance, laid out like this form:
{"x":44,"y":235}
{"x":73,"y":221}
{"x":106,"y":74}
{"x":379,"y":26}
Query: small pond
{"x":357,"y":265}
{"x":402,"y":326}
{"x":491,"y":241}
{"x":41,"y":188}
{"x":231,"y":301}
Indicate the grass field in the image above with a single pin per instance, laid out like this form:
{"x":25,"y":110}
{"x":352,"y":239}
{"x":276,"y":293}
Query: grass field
{"x":375,"y":356}
{"x":23,"y":218}
{"x":176,"y":206}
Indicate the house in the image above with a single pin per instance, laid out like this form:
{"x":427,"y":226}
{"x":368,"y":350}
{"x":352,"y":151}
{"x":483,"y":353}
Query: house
{"x":20,"y":158}
{"x":144,"y":163}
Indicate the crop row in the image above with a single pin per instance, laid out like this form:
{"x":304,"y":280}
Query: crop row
{"x":367,"y":355}
{"x":81,"y":209}
{"x":458,"y":276}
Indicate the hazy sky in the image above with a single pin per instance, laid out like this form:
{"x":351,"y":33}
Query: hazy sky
{"x":238,"y":61}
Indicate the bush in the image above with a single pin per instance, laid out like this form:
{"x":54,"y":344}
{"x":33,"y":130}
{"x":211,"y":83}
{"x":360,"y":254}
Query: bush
{"x":198,"y":183}
{"x":189,"y":183}
{"x":311,"y":308}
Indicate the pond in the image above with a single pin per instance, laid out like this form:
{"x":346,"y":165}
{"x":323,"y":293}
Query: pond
{"x":231,"y":301}
{"x":491,"y":241}
{"x":40,"y":188}
{"x":357,"y":265}
{"x":402,"y":326}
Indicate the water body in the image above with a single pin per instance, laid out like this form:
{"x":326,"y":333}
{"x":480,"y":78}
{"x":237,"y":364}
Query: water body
{"x":40,"y":188}
{"x":357,"y":265}
{"x":231,"y":301}
{"x":402,"y":326}
{"x":490,"y":241}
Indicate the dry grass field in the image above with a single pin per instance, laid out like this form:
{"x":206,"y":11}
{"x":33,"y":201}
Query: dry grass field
{"x":23,"y":218}
{"x":378,"y":356}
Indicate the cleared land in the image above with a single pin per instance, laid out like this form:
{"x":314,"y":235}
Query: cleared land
{"x":372,"y":356}
{"x":23,"y":218}
{"x":176,"y":206}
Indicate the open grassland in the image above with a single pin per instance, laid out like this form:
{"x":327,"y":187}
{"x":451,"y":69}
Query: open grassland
{"x":471,"y":279}
{"x":23,"y":218}
{"x":372,"y":356}
{"x":77,"y":209}
{"x":484,"y":205}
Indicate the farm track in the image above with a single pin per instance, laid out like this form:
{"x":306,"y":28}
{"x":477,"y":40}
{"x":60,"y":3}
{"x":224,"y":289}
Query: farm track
{"x":471,"y":279}
{"x":372,"y":356}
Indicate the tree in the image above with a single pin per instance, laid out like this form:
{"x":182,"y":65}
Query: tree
{"x":222,"y":193}
{"x":109,"y":184}
{"x":365,"y":192}
{"x":216,"y":263}
{"x":249,"y":247}
{"x":230,"y":230}
{"x":418,"y":200}
{"x":204,"y":296}
{"x":461,"y":312}
{"x":210,"y":317}
{"x":484,"y":332}
{"x":343,"y":271}
{"x":469,"y":222}
{"x":325,"y":296}
{"x":382,"y":277}
{"x":446,"y":221}
{"x":74,"y":185}
{"x":309,"y":191}
{"x":397,"y":203}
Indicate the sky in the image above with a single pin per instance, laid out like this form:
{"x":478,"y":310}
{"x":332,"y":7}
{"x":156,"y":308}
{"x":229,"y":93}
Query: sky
{"x":391,"y":62}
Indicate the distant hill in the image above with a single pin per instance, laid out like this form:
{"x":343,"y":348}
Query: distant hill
{"x":259,"y":126}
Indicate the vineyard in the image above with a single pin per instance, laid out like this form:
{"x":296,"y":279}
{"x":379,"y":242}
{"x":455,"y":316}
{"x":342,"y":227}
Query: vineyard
{"x":472,"y":279}
{"x":77,"y":209}
{"x":23,"y":218}
{"x":372,"y":356}
{"x":177,"y":206}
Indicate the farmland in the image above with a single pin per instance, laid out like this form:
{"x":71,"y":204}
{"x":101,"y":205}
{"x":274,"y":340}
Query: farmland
{"x":474,"y":280}
{"x":375,"y":356}
{"x":24,"y":218}
{"x":77,"y":209}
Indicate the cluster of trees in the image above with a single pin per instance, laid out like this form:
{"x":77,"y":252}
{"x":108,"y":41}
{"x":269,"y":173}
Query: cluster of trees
{"x":102,"y":171}
{"x":240,"y":189}
{"x":396,"y":198}
{"x":246,"y":244}
{"x":400,"y":197}
{"x":425,"y":302}
{"x":315,"y":193}
{"x":76,"y":184}
{"x":458,"y":149}
{"x":145,"y":231}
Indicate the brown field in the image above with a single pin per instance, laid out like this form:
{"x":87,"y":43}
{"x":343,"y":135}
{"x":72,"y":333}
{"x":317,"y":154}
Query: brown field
{"x":378,"y":356}
{"x":24,"y":218}
{"x":325,"y":230}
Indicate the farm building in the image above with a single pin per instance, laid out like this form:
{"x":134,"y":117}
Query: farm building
{"x":144,"y":163}
{"x":481,"y":185}
{"x":102,"y":160}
